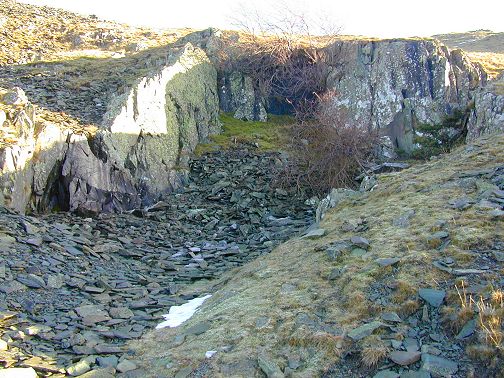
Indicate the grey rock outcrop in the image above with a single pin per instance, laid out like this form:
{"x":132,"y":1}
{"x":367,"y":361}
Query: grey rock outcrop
{"x":394,"y":85}
{"x":139,"y":151}
{"x":390,"y":85}
{"x":488,"y":114}
{"x":237,"y":95}
{"x":28,"y":160}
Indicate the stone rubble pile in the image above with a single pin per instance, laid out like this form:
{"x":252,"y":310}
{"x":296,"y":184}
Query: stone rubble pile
{"x":74,"y":290}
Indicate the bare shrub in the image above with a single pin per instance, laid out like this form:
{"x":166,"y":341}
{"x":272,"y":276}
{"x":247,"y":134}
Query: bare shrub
{"x":282,"y":51}
{"x":327,"y":152}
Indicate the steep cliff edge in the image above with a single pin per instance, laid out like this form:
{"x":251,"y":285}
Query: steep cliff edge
{"x":137,"y":152}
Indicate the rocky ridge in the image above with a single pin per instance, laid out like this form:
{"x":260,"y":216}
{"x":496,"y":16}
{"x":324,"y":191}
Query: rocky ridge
{"x":136,"y":144}
{"x":134,"y":119}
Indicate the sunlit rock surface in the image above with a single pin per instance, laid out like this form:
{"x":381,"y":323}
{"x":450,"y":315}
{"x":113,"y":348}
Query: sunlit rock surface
{"x":138,"y":152}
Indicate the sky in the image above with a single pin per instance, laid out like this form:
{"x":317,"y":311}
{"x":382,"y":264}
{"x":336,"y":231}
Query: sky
{"x":386,"y":18}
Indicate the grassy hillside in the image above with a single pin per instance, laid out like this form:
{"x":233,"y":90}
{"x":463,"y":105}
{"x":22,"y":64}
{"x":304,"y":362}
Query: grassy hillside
{"x":483,"y":46}
{"x":301,"y":309}
{"x":30,"y":33}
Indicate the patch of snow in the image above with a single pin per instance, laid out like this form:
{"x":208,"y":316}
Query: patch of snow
{"x":210,"y":353}
{"x":179,"y":314}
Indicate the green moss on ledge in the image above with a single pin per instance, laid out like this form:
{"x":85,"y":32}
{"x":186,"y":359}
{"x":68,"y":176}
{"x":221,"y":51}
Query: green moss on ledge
{"x":268,"y":136}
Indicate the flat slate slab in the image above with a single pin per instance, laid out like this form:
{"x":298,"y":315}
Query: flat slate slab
{"x":364,"y":330}
{"x":438,"y":366}
{"x":432,"y":296}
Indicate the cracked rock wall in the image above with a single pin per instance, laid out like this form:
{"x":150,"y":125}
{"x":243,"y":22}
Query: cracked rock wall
{"x":139,"y":151}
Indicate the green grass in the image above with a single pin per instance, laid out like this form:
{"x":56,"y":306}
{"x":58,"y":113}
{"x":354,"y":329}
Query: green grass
{"x":269,"y":136}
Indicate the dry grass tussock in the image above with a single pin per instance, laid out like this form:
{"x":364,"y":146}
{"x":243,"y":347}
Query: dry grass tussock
{"x":488,"y":346}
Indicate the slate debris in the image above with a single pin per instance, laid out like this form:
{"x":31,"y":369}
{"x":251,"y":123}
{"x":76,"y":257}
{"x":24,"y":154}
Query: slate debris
{"x":75,"y":287}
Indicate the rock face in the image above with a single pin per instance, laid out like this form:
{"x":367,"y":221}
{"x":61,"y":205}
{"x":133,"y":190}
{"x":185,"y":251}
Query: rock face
{"x":237,"y":95}
{"x":28,"y":161}
{"x":139,"y":151}
{"x":145,"y":134}
{"x":397,"y":84}
{"x":390,"y":85}
{"x":488,"y":114}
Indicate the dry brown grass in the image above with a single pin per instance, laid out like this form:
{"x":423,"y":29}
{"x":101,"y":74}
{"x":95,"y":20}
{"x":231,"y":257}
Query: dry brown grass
{"x":373,"y":351}
{"x":253,"y":290}
{"x":33,"y":33}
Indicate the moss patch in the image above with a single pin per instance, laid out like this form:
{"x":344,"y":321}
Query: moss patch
{"x":267,"y":136}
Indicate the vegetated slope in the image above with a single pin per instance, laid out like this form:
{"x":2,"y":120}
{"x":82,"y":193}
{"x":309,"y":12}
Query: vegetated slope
{"x":336,"y":306}
{"x":31,"y":33}
{"x":483,"y":46}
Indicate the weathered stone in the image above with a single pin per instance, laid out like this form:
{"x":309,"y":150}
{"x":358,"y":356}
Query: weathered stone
{"x":198,"y":329}
{"x":79,"y":368}
{"x":364,"y":330}
{"x":387,"y":261}
{"x":404,"y":358}
{"x":360,"y":242}
{"x":269,"y":367}
{"x":391,"y":317}
{"x":108,"y":361}
{"x":89,"y":310}
{"x":432,"y":296}
{"x":314,"y":234}
{"x":121,"y":313}
{"x":125,"y":366}
{"x":467,"y":330}
{"x":32,"y":281}
{"x":438,"y":366}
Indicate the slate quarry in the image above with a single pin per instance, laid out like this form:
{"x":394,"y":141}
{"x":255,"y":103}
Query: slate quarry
{"x":74,"y":289}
